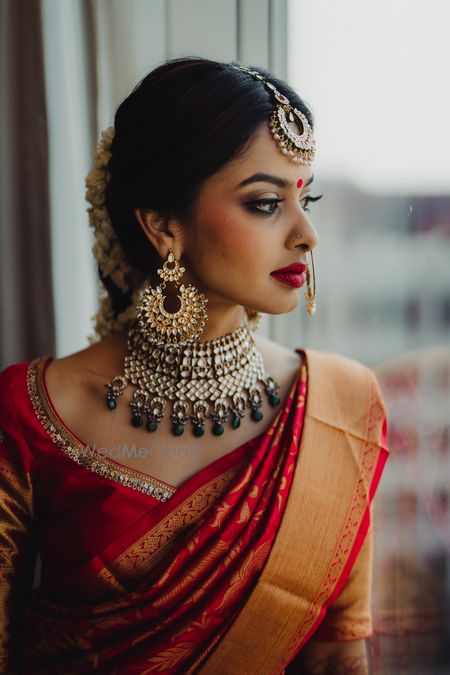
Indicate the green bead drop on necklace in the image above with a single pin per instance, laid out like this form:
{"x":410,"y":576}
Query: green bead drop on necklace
{"x":256,"y":415}
{"x":217,"y":429}
{"x":178,"y":429}
{"x":199,"y":430}
{"x":137,"y":421}
{"x":236,"y":422}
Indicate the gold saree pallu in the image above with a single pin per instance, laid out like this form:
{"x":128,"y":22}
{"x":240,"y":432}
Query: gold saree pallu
{"x":326,"y":520}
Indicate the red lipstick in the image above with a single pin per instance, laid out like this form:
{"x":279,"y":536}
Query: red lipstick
{"x":292,"y":275}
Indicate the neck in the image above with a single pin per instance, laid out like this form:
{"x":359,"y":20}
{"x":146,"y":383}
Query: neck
{"x":216,"y":326}
{"x":223,"y":317}
{"x":221,"y":323}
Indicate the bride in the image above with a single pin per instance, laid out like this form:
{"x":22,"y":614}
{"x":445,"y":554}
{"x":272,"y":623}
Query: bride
{"x":200,"y":498}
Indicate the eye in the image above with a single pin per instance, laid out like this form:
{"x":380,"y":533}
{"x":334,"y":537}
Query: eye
{"x":267,"y":206}
{"x":308,"y":199}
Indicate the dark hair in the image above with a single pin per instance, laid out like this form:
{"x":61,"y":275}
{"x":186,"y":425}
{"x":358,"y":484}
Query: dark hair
{"x":180,"y":125}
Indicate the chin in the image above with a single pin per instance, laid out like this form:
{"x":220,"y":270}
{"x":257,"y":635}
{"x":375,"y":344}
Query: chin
{"x":280,"y":307}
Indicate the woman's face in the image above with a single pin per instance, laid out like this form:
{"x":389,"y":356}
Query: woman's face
{"x":245,"y":225}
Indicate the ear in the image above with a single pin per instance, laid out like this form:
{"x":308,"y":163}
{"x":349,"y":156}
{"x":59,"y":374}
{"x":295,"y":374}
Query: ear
{"x":163,"y":232}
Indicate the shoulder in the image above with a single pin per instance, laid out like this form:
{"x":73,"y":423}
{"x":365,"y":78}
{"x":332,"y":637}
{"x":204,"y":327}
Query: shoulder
{"x":14,"y":414}
{"x":339,"y":370}
{"x":278,"y":357}
{"x":12,"y":385}
{"x":71,"y":381}
{"x":345,"y":393}
{"x":104,"y":358}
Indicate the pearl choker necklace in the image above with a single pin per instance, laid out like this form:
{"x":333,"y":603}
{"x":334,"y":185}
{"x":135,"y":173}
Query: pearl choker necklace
{"x":216,"y":379}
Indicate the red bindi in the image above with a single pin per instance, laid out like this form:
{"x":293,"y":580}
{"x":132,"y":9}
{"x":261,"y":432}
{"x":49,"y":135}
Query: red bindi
{"x":300,"y":182}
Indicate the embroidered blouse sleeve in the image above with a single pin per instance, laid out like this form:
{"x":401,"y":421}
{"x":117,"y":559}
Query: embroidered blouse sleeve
{"x":17,"y":542}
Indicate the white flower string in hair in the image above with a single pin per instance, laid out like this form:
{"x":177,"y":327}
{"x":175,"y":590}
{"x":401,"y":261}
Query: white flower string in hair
{"x":107,"y":249}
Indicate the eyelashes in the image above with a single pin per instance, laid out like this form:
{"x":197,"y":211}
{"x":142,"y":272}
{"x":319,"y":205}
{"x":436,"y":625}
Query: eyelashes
{"x":266,"y":206}
{"x":269,"y":206}
{"x":309,"y":199}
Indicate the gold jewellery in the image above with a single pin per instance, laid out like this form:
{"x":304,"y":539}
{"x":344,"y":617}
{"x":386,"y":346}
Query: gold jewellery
{"x":188,"y":323}
{"x":298,"y":145}
{"x":311,"y":295}
{"x":216,"y":379}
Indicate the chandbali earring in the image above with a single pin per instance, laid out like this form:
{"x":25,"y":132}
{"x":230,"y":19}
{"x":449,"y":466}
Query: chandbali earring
{"x":156,"y":322}
{"x":310,"y":295}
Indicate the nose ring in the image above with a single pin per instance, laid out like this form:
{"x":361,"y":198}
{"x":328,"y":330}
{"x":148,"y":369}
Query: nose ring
{"x":311,"y":295}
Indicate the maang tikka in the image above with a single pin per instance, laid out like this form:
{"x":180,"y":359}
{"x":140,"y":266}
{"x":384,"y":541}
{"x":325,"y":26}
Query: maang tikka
{"x":215,"y":379}
{"x":296,"y":143}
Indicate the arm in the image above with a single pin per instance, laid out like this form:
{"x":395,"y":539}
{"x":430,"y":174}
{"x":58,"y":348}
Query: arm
{"x":17,"y":550}
{"x":338,"y":646}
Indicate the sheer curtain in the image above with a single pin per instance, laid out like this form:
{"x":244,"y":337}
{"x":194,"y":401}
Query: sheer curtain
{"x":26,"y":300}
{"x":72,"y":62}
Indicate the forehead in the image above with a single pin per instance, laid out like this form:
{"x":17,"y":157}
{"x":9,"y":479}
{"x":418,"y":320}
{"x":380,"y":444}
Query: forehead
{"x":262,"y":155}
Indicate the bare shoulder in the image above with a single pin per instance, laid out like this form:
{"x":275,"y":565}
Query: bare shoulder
{"x":75,"y":375}
{"x":104,"y":358}
{"x":278,"y":358}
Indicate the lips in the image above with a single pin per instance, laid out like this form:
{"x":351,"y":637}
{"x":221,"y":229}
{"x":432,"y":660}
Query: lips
{"x":294,"y":268}
{"x":292,"y":275}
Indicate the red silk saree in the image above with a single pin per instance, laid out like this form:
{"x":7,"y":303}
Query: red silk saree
{"x":232,"y":572}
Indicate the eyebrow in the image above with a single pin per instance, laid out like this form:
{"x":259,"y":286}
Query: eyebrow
{"x":268,"y":178}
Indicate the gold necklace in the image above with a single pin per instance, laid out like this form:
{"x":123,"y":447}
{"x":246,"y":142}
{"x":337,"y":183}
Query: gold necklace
{"x":215,"y":379}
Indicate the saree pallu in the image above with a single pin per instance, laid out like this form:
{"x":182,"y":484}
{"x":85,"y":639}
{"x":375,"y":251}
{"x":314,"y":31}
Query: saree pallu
{"x":248,"y":559}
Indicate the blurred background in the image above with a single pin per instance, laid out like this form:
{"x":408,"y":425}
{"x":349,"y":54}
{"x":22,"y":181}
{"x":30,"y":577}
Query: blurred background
{"x":376,"y":75}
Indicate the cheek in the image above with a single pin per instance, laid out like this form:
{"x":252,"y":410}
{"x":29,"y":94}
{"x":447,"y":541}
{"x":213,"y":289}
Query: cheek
{"x":228,"y":237}
{"x":228,"y":230}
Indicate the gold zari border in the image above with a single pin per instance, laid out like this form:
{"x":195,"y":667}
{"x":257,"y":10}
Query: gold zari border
{"x":83,"y":454}
{"x":338,"y":455}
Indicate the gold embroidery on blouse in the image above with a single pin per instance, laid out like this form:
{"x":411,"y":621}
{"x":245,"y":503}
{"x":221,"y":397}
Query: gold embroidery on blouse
{"x":16,"y":499}
{"x":82,"y":454}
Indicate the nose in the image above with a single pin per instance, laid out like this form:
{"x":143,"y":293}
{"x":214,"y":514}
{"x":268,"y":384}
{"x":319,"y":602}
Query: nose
{"x":305,"y":236}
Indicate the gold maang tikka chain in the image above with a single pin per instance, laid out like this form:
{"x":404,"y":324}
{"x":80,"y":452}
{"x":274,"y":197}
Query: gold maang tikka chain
{"x":216,"y":379}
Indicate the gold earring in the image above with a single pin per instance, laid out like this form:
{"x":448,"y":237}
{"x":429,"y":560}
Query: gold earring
{"x":159,"y":324}
{"x":310,"y":295}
